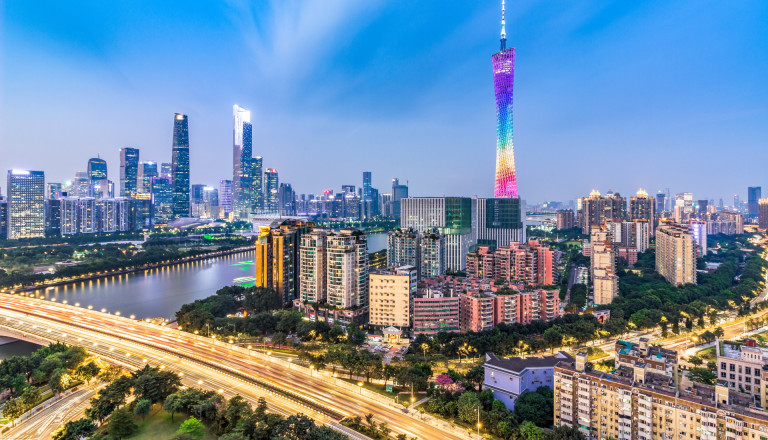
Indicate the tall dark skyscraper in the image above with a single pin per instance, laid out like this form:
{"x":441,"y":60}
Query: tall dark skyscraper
{"x":97,"y":172}
{"x":399,"y":192}
{"x":366,"y":185}
{"x":753,"y":196}
{"x":257,"y":184}
{"x":129,"y":171}
{"x":272,"y":188}
{"x":180,"y":168}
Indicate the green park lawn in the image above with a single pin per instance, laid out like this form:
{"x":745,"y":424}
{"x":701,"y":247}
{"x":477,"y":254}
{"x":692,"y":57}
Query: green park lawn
{"x":158,"y":425}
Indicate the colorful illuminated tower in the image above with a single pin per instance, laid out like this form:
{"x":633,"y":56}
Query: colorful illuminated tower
{"x":503,"y":79}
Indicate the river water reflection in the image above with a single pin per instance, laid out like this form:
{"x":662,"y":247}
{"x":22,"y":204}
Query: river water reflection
{"x":159,"y":293}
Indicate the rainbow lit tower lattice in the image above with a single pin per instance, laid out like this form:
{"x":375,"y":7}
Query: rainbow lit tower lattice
{"x":503,"y":79}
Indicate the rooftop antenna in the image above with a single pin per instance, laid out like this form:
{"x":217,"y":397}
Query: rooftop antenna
{"x":503,"y":28}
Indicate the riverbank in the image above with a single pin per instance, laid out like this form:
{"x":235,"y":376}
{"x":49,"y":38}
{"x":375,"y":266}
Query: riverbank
{"x":129,"y":270}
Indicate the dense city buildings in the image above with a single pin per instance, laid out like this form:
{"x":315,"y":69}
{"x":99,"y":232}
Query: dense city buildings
{"x":423,"y":250}
{"x":26,"y":208}
{"x":643,"y":207}
{"x":389,"y":297}
{"x":644,"y":399}
{"x":277,"y":256}
{"x":676,"y":253}
{"x":451,"y":216}
{"x":483,"y":310}
{"x":129,"y":171}
{"x":435,"y":311}
{"x":531,"y":264}
{"x":180,"y":163}
{"x":565,"y":219}
{"x":743,"y":367}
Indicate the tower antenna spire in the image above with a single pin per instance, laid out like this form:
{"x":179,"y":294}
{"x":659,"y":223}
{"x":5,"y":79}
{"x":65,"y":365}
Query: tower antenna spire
{"x":503,"y":28}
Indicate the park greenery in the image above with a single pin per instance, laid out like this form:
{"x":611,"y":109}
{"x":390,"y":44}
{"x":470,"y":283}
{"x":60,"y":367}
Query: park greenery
{"x":28,"y":380}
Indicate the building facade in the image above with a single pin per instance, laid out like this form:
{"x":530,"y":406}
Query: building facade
{"x":509,"y":378}
{"x":676,"y":253}
{"x":26,"y":204}
{"x":180,"y":166}
{"x":129,"y":171}
{"x":278,"y":256}
{"x":347,"y":269}
{"x":389,"y":297}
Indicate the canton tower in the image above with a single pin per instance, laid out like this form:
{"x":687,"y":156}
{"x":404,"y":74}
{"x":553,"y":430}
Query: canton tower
{"x":503,"y":79}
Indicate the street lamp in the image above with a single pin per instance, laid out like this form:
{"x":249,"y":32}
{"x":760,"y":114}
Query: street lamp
{"x":360,"y":387}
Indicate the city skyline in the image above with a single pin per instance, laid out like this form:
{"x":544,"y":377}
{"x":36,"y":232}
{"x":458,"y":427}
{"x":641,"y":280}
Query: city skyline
{"x":141,"y":122}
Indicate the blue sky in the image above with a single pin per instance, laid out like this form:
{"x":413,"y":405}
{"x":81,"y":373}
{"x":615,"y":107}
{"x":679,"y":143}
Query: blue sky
{"x":608,"y":94}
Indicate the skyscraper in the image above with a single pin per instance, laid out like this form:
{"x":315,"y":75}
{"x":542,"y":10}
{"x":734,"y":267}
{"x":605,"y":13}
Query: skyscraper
{"x":162,"y":200}
{"x":54,"y":190}
{"x":676,"y":254}
{"x":242,"y":150}
{"x":225,"y":196}
{"x":503,"y":80}
{"x":97,"y":172}
{"x":26,"y":208}
{"x":399,"y":192}
{"x":762,"y":211}
{"x":129,"y":171}
{"x":271,"y":189}
{"x":753,"y":196}
{"x":180,"y":172}
{"x":147,"y":170}
{"x":257,"y":184}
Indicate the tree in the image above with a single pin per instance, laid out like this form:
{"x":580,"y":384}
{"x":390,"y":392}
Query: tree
{"x":535,"y":407}
{"x":75,"y":430}
{"x":695,"y":360}
{"x":553,"y":336}
{"x":702,"y":375}
{"x":30,"y":397}
{"x":121,"y":424}
{"x":59,"y":380}
{"x":87,"y":371}
{"x":14,"y":409}
{"x":173,"y":404}
{"x":142,"y":407}
{"x":468,"y":405}
{"x":193,"y":427}
{"x":504,"y":429}
{"x":565,"y":433}
{"x":529,"y":431}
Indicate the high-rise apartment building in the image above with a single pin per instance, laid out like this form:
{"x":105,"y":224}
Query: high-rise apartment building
{"x":432,"y":261}
{"x":500,"y":222}
{"x":180,"y":171}
{"x":271,"y":187}
{"x":753,"y":195}
{"x":762,"y":211}
{"x":452,"y":216}
{"x":389,"y":298}
{"x":503,"y":80}
{"x":3,"y":218}
{"x":242,"y":152}
{"x":403,"y":247}
{"x":347,"y":274}
{"x":643,"y":207}
{"x":313,"y":266}
{"x":277,"y":256}
{"x":26,"y":207}
{"x":676,"y":253}
{"x":603,"y":267}
{"x":113,"y":214}
{"x":592,"y":211}
{"x":435,"y":312}
{"x":565,"y":219}
{"x":531,"y":263}
{"x":129,"y":171}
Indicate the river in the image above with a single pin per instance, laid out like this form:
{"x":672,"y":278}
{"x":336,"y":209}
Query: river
{"x":159,"y":293}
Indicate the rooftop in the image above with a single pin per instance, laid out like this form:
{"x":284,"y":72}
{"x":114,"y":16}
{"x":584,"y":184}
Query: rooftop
{"x":520,"y":364}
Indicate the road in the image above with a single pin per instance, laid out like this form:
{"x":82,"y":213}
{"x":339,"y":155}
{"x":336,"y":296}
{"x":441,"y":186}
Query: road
{"x":217,"y":364}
